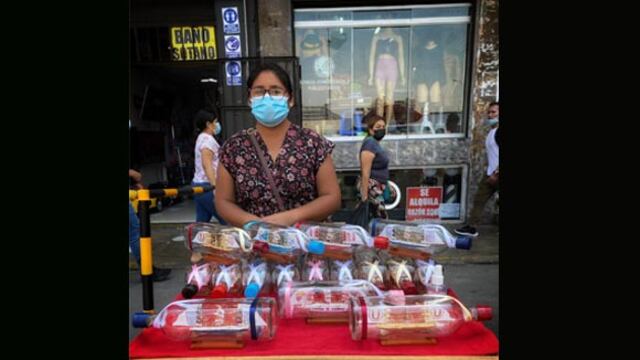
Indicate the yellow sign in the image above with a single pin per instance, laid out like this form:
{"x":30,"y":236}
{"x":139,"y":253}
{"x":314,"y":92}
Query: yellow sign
{"x":193,"y":43}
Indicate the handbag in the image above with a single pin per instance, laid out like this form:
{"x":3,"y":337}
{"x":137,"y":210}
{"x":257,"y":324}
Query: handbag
{"x":361,"y":215}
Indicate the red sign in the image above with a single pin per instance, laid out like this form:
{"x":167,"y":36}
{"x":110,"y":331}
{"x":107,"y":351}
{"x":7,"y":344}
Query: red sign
{"x":423,"y":203}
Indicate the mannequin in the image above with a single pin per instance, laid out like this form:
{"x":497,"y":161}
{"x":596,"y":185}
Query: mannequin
{"x":429,"y":74}
{"x":387,"y":59}
{"x":317,"y":67}
{"x":311,"y":45}
{"x":452,"y":92}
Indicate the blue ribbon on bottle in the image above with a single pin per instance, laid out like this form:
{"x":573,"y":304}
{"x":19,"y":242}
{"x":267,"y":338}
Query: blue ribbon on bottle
{"x":374,"y":222}
{"x":252,"y":319}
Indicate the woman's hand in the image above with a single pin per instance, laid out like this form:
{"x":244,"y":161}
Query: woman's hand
{"x":285,"y":218}
{"x":364,"y":195}
{"x":366,"y":162}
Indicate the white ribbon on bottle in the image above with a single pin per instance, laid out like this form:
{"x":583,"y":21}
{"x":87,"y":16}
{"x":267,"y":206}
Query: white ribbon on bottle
{"x":201,"y":274}
{"x":316,"y":271}
{"x":401,"y":268}
{"x":344,"y":273}
{"x":257,"y":273}
{"x":374,"y":269}
{"x":225,"y":275}
{"x":284,"y":273}
{"x":425,"y":270}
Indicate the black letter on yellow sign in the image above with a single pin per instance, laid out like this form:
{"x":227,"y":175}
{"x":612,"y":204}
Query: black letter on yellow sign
{"x":205,"y":35}
{"x":187,"y":36}
{"x":175,"y":54}
{"x":177,"y":34}
{"x":196,"y":35}
{"x":211,"y":52}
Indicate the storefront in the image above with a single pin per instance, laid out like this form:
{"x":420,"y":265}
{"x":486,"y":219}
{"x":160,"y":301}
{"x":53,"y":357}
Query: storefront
{"x":406,"y":63}
{"x":425,"y":69}
{"x":429,"y":68}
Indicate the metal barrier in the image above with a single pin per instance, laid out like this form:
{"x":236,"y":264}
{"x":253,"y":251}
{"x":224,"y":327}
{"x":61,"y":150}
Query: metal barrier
{"x":146,"y":260}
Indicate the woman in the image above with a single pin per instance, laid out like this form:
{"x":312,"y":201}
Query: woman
{"x":374,"y":165}
{"x":305,"y":186}
{"x":206,"y":164}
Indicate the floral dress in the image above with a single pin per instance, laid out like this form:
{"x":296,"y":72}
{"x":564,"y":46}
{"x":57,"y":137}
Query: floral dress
{"x":294,"y":171}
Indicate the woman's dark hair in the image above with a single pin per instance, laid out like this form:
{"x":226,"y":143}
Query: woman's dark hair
{"x":203,"y":117}
{"x":276,"y":70}
{"x":371,"y":119}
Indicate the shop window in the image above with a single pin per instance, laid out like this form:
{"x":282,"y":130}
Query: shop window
{"x":406,"y":64}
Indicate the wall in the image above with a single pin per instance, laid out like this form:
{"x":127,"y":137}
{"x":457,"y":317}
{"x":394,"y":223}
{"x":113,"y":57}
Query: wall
{"x":484,"y":88}
{"x":275,"y":27}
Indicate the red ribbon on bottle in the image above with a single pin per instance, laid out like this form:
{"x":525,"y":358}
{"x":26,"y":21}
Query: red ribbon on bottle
{"x":189,"y":229}
{"x":363,"y":309}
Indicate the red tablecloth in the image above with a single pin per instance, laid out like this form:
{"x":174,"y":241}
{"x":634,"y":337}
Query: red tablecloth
{"x":295,"y":337}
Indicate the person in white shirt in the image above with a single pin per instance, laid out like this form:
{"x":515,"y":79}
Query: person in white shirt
{"x":489,"y":183}
{"x":206,"y":164}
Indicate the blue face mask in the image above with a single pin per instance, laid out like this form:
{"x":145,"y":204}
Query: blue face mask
{"x":270,"y":111}
{"x":492,"y":122}
{"x":218,"y":129}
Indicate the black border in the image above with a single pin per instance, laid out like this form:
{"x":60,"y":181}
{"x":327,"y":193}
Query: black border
{"x":66,"y":152}
{"x":66,"y":140}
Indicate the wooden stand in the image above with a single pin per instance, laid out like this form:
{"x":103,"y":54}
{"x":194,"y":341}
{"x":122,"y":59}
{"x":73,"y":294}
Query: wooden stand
{"x":217,"y":344}
{"x":328,"y":320}
{"x":338,"y":254}
{"x":279,"y":258}
{"x":427,"y":341}
{"x":412,"y":253}
{"x":386,"y":330}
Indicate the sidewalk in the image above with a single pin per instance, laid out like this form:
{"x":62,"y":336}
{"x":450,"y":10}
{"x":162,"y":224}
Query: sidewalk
{"x":182,"y":212}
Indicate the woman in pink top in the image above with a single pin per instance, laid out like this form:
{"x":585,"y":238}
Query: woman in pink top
{"x":206,"y":164}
